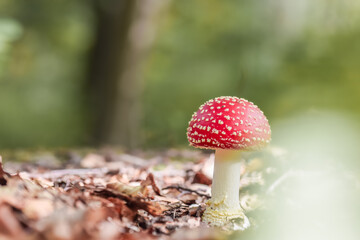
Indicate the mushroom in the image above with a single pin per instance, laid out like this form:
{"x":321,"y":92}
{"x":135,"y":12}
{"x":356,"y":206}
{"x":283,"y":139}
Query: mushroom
{"x":229,"y":125}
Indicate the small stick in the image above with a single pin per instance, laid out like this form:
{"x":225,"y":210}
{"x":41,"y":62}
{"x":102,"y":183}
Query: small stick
{"x":187,"y":189}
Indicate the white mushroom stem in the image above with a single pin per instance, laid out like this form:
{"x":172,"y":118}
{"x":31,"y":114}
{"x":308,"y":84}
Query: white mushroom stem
{"x":226,"y":181}
{"x":224,"y":203}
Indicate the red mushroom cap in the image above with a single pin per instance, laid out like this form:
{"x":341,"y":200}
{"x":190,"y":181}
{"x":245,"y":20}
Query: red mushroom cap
{"x":229,"y":123}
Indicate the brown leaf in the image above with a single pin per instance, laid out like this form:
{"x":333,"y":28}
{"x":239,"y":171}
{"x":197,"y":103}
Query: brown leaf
{"x":126,"y":189}
{"x":122,"y":209}
{"x":201,"y":178}
{"x":134,"y":203}
{"x":151,"y":181}
{"x":9,"y":224}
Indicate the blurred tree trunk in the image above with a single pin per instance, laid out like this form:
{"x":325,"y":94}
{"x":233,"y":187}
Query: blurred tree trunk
{"x":125,"y":29}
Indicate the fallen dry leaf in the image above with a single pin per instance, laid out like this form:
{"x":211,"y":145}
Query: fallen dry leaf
{"x":201,"y":178}
{"x":10,"y":227}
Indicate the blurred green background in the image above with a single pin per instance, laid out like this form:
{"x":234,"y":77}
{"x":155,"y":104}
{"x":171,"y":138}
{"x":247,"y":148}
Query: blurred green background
{"x":131,"y":73}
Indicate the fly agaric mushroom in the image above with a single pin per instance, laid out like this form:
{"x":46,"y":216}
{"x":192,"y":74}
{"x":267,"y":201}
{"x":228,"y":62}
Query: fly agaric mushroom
{"x":229,"y":125}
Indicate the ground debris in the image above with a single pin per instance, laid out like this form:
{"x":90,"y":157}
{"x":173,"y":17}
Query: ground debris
{"x":108,"y":195}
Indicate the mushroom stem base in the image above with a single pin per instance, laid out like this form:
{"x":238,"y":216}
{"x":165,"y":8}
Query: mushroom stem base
{"x":216,"y":215}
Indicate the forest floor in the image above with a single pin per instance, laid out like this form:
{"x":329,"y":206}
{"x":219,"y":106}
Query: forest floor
{"x":106,"y":194}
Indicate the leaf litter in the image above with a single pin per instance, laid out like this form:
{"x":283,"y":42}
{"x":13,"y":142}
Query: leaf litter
{"x":109,"y":195}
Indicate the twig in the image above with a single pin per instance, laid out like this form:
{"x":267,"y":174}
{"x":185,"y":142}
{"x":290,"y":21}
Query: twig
{"x":187,"y":189}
